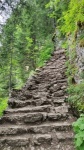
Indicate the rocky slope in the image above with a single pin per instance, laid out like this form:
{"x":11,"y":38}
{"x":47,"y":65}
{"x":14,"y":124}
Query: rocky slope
{"x":38,"y":118}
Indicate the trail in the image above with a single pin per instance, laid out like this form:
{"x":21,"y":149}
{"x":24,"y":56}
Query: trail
{"x":38,"y":117}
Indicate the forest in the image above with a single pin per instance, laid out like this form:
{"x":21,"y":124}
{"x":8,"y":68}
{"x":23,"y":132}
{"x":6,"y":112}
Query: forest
{"x":27,"y":40}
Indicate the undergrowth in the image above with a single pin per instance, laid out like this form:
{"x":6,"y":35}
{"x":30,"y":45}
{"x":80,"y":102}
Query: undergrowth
{"x":75,"y":90}
{"x":3,"y":105}
{"x":78,"y":127}
{"x":45,"y":52}
{"x":76,"y":96}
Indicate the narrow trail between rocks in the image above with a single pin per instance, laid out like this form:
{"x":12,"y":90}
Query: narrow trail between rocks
{"x":38,"y":117}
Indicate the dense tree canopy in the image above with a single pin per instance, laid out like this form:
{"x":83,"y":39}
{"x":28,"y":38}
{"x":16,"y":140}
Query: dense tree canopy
{"x":24,"y":39}
{"x":26,"y":43}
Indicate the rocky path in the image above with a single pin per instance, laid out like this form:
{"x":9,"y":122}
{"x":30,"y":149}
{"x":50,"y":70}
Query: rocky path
{"x":38,"y":118}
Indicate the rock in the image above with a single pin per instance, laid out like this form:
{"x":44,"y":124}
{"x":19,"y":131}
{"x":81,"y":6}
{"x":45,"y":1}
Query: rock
{"x":41,"y":139}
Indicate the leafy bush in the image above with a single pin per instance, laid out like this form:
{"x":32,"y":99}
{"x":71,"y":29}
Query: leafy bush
{"x":76,"y":96}
{"x":73,"y":15}
{"x":3,"y":105}
{"x":78,"y":127}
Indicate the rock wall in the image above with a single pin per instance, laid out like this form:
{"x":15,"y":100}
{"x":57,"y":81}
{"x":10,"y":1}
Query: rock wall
{"x":79,"y":59}
{"x":80,"y":63}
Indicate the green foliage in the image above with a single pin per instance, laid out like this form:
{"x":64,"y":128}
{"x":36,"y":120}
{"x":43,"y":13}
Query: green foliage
{"x":24,"y":39}
{"x":3,"y":105}
{"x":70,"y":18}
{"x":74,"y":14}
{"x":78,"y":127}
{"x":45,"y":52}
{"x":76,"y":92}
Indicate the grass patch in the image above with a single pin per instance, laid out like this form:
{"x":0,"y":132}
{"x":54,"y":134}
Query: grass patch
{"x":3,"y":105}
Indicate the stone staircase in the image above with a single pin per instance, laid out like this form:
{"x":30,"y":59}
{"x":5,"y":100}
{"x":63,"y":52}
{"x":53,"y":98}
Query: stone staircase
{"x":38,"y":118}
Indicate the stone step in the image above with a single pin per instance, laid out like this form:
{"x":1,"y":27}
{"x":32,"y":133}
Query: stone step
{"x":58,"y":101}
{"x":59,"y":93}
{"x":41,"y":139}
{"x":57,"y":116}
{"x":44,"y":108}
{"x":62,"y":136}
{"x":27,"y":109}
{"x":25,"y":140}
{"x":59,"y":51}
{"x":54,"y":67}
{"x":35,"y":129}
{"x":49,"y":69}
{"x":24,"y":118}
{"x":18,"y":103}
{"x":36,"y":142}
{"x":62,"y":109}
{"x":30,"y":118}
{"x":62,"y":81}
{"x":63,"y":146}
{"x":57,"y":87}
{"x":32,"y":102}
{"x":55,"y":76}
{"x":16,"y":141}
